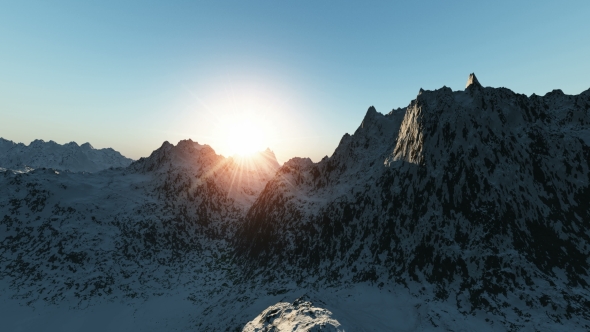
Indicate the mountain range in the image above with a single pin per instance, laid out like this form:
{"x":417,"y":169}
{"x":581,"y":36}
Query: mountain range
{"x":70,"y":156}
{"x":466,"y":209}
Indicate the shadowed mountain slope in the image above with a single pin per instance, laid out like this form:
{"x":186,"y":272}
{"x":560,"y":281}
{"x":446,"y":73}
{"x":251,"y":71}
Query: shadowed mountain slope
{"x":479,"y":197}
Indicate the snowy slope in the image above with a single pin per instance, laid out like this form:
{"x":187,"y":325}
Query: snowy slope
{"x":70,"y":156}
{"x":162,"y":210}
{"x":76,"y":241}
{"x":482,"y":201}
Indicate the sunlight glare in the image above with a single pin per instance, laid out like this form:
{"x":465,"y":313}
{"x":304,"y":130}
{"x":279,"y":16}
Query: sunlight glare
{"x":245,"y":137}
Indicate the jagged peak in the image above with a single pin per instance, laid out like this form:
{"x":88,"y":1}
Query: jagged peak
{"x":268,"y":152}
{"x":398,"y":110}
{"x":187,"y":142}
{"x":472,"y":80}
{"x":87,"y":146}
{"x":37,"y":142}
{"x":555,"y":92}
{"x":298,"y":162}
{"x":371,"y":113}
{"x":346,"y":137}
{"x":445,"y":89}
{"x":269,"y":157}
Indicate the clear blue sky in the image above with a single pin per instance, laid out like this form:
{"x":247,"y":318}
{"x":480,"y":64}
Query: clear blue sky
{"x":130,"y":75}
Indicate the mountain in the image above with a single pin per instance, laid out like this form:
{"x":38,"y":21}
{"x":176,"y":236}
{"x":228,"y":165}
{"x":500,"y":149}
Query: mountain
{"x":70,"y":156}
{"x":190,"y":165}
{"x":80,"y":240}
{"x":465,"y":210}
{"x":477,"y":197}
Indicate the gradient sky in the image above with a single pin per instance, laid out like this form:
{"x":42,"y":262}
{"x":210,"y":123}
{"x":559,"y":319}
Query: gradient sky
{"x":130,"y":75}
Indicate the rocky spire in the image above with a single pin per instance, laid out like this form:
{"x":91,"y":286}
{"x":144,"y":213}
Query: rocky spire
{"x":472,"y":80}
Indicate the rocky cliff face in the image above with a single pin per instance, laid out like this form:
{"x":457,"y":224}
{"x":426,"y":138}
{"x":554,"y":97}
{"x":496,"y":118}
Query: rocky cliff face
{"x":70,"y":156}
{"x":482,"y":200}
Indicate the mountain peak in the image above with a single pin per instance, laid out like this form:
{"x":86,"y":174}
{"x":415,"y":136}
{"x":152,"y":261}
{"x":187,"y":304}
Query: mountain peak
{"x":371,"y":113}
{"x":472,"y":80}
{"x":268,"y":152}
{"x":87,"y":146}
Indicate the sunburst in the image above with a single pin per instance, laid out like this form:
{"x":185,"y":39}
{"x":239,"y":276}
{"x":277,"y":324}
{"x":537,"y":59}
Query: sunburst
{"x":245,"y":137}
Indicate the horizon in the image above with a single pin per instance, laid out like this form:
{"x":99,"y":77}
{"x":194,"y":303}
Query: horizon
{"x":252,"y":152}
{"x":130,"y":77}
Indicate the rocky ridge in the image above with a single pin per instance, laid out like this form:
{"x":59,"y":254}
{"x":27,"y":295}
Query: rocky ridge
{"x":70,"y":156}
{"x":300,"y":315}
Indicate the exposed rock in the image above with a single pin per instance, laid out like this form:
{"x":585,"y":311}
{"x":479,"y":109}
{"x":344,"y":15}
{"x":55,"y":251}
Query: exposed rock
{"x":300,"y":316}
{"x":472,"y":81}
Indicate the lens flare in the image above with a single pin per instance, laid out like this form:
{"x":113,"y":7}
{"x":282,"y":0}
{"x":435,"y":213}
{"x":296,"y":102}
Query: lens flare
{"x":246,"y":137}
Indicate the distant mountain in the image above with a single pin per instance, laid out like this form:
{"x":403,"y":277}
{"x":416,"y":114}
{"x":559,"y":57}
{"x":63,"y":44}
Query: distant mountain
{"x":190,"y":165}
{"x":465,"y":210}
{"x":70,"y":156}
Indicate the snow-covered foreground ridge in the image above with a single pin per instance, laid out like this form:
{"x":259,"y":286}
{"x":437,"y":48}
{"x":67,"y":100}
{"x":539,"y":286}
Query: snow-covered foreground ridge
{"x":466,"y":208}
{"x":300,"y":315}
{"x":70,"y":156}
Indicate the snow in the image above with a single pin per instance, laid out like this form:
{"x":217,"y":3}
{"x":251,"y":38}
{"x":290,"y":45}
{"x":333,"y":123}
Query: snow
{"x":68,"y":156}
{"x":300,"y":316}
{"x":403,"y":228}
{"x":163,"y":313}
{"x":471,"y":197}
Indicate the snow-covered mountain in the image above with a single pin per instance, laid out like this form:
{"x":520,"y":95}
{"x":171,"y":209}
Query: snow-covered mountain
{"x":70,"y":156}
{"x":466,"y":210}
{"x":477,"y":197}
{"x":192,"y":165}
{"x":82,"y":240}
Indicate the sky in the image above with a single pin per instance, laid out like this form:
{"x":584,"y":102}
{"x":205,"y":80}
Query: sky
{"x":294,"y":75}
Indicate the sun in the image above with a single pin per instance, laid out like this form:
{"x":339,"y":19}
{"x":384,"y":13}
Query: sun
{"x":245,"y":137}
